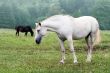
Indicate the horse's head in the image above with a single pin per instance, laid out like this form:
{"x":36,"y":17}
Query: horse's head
{"x":40,"y":31}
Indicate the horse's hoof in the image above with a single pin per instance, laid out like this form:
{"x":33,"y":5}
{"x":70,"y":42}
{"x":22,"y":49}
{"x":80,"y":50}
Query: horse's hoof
{"x":61,"y":62}
{"x":75,"y":62}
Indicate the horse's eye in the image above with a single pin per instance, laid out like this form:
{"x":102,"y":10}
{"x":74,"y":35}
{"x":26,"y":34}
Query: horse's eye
{"x":38,"y":31}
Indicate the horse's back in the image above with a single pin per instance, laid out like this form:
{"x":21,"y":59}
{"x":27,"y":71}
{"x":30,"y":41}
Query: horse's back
{"x":28,"y":28}
{"x":87,"y":22}
{"x":88,"y":19}
{"x":23,"y":28}
{"x":84,"y":25}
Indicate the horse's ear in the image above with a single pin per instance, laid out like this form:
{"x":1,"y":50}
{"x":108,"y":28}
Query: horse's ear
{"x":36,"y":24}
{"x":40,"y":24}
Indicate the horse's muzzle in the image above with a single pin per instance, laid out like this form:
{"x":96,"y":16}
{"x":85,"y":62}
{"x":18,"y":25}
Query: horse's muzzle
{"x":38,"y":39}
{"x":37,"y":42}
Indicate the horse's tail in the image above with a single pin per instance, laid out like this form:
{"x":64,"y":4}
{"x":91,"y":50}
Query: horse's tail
{"x":98,"y":38}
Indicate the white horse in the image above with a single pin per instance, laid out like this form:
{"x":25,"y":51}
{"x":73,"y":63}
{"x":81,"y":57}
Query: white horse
{"x":70,"y":28}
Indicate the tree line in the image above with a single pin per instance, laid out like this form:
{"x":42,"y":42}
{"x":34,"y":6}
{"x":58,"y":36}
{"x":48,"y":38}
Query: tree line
{"x":27,"y":12}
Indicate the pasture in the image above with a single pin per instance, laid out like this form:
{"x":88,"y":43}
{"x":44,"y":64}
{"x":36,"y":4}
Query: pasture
{"x":22,"y":55}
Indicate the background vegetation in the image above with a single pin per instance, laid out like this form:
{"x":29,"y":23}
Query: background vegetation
{"x":27,"y":12}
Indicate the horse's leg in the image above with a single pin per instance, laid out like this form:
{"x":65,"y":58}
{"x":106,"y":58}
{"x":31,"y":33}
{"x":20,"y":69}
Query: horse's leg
{"x":31,"y":32}
{"x":26,"y":33}
{"x":62,"y":51}
{"x":89,"y":39}
{"x":88,"y":47}
{"x":16,"y":33}
{"x":70,"y":42}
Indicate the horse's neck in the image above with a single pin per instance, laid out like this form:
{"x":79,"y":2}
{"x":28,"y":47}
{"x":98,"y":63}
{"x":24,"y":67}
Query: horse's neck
{"x":51,"y":26}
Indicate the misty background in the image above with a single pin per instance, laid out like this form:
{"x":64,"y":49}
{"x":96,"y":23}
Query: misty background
{"x":27,"y":12}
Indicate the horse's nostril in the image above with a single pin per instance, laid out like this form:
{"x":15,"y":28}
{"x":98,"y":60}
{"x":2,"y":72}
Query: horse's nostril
{"x":38,"y":31}
{"x":37,"y":42}
{"x":38,"y":39}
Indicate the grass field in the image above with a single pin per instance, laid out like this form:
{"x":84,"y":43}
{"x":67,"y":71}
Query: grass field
{"x":22,"y":55}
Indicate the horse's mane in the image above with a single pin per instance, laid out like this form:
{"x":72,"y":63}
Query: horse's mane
{"x":57,"y":17}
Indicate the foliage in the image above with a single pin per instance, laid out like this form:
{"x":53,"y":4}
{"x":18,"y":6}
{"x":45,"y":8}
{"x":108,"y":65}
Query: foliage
{"x":26,"y":12}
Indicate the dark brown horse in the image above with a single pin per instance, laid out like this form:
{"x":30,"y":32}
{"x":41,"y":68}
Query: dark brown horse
{"x":24,"y":29}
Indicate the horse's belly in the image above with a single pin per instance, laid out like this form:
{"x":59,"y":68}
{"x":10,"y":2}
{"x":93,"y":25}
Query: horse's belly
{"x":81,"y":30}
{"x":76,"y":37}
{"x":80,"y":34}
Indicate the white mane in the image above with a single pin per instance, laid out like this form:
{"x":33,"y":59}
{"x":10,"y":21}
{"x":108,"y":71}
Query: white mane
{"x":57,"y":18}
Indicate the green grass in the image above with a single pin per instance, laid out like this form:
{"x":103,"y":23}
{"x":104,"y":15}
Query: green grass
{"x":22,"y":55}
